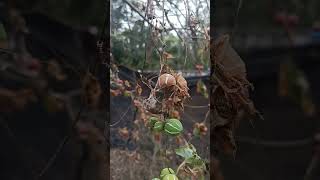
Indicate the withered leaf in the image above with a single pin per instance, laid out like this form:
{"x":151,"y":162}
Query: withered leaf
{"x":224,"y":105}
{"x":230,"y":95}
{"x":229,"y":59}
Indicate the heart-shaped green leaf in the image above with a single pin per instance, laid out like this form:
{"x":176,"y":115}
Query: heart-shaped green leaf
{"x":184,"y":152}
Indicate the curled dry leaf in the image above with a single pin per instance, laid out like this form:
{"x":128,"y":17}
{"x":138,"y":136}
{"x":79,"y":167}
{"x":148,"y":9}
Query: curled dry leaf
{"x":229,"y":95}
{"x":181,"y":82}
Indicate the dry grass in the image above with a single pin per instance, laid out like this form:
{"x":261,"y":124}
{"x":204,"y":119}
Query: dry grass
{"x":135,"y":165}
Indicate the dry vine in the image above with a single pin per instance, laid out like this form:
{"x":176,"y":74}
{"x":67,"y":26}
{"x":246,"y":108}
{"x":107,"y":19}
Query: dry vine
{"x":161,"y":109}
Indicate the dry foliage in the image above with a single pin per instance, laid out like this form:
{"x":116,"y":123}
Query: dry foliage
{"x":169,"y":94}
{"x":229,"y":95}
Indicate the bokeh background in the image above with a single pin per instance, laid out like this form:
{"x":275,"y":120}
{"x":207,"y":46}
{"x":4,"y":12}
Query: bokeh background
{"x":52,"y":102}
{"x":279,"y":43}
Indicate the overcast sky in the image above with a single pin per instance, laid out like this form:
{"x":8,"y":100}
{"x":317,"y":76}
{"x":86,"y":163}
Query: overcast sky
{"x":176,"y":14}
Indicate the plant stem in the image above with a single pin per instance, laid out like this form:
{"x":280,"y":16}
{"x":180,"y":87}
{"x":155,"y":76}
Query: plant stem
{"x":180,"y":166}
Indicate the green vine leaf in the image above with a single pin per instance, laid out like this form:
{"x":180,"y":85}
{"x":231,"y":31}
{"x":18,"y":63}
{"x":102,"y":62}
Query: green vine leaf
{"x":184,"y":152}
{"x":191,"y":157}
{"x":195,"y":161}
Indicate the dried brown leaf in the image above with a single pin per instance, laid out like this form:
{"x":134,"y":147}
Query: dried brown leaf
{"x":230,"y":95}
{"x":228,"y":58}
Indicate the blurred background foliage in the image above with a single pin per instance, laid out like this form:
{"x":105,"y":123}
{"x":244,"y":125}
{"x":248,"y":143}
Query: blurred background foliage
{"x":258,"y":15}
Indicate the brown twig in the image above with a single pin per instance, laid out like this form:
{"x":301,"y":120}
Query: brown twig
{"x":61,"y":145}
{"x":140,"y":14}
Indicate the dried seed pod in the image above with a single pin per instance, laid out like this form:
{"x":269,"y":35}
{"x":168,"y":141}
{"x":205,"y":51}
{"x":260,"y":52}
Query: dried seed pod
{"x":173,"y":127}
{"x":203,"y":127}
{"x":181,"y":82}
{"x":166,"y":80}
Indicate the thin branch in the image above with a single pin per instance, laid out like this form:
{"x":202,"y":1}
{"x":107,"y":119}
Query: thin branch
{"x":139,"y":13}
{"x":61,"y":145}
{"x":122,"y":117}
{"x":171,"y":25}
{"x":176,"y":7}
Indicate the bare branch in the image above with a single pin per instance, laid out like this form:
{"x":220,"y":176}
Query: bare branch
{"x":140,"y":14}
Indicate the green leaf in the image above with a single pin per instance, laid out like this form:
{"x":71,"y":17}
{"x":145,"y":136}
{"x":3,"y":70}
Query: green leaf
{"x":192,"y":148}
{"x":184,"y":152}
{"x":195,"y":160}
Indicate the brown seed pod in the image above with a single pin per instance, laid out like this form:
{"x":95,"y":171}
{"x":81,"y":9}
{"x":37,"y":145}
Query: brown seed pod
{"x":203,"y":128}
{"x":182,"y":83}
{"x":166,"y":80}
